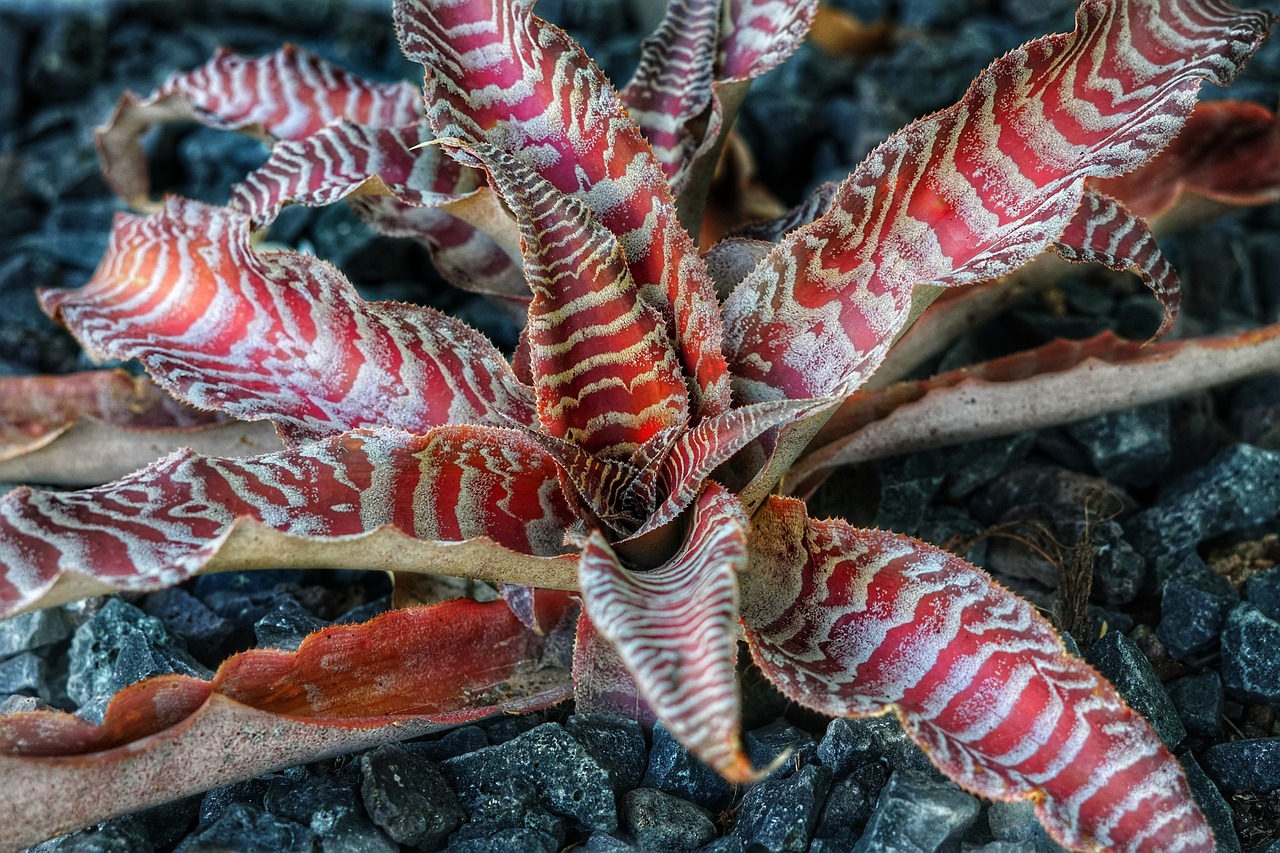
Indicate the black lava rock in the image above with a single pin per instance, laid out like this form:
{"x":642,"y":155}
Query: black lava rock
{"x":117,"y":647}
{"x":408,"y":797}
{"x":616,"y":743}
{"x":523,"y":839}
{"x":24,"y":674}
{"x":1263,"y":591}
{"x":568,"y":781}
{"x":844,"y":815}
{"x":1130,"y":447}
{"x":1250,"y":668}
{"x":764,"y":745}
{"x":32,"y":631}
{"x":123,"y":835}
{"x":1245,"y":765}
{"x":660,"y":821}
{"x":1125,"y":666}
{"x":332,"y":809}
{"x":248,"y":829}
{"x":1016,"y":823}
{"x":779,"y":814}
{"x":1238,"y":488}
{"x":1193,"y":608}
{"x":917,"y":812}
{"x":1198,"y":699}
{"x":1215,"y":807}
{"x":450,"y":745}
{"x":286,"y":625}
{"x":675,"y":770}
{"x":205,"y":632}
{"x":849,"y":745}
{"x":214,"y":803}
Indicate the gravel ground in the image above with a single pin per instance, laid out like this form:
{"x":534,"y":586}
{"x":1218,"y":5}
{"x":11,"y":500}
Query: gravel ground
{"x":1183,"y":554}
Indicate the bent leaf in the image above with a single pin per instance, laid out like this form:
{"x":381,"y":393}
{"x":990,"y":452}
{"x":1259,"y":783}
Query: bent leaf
{"x":177,"y":517}
{"x":404,"y":674}
{"x":675,"y":628}
{"x":859,"y":622}
{"x":280,"y":336}
{"x":976,"y":190}
{"x":289,"y":94}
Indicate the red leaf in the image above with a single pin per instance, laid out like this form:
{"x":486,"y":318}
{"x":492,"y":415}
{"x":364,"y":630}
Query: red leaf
{"x":975,"y":190}
{"x":406,"y":673}
{"x":279,"y":335}
{"x":547,"y":102}
{"x":760,"y":34}
{"x":169,"y":521}
{"x":675,"y":628}
{"x":856,"y":622}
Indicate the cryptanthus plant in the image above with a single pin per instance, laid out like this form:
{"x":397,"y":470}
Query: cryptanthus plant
{"x":631,"y":450}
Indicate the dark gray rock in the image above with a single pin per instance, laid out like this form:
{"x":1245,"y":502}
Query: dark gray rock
{"x":32,"y":631}
{"x":450,"y":745}
{"x":1255,"y":410}
{"x":1125,"y":666}
{"x":1245,"y":765}
{"x":167,"y":823}
{"x":248,"y":829}
{"x":70,"y":50}
{"x":1263,"y":591}
{"x":568,"y":781}
{"x":22,"y":704}
{"x":507,"y":806}
{"x":286,"y":625}
{"x":119,"y":646}
{"x":333,"y":811}
{"x":844,"y":815}
{"x":25,"y":674}
{"x":408,"y":797}
{"x":766,"y":744}
{"x":214,"y":803}
{"x":523,"y":839}
{"x":1198,"y":699}
{"x":660,"y":821}
{"x":675,"y":770}
{"x":616,"y":743}
{"x":122,"y":835}
{"x":779,"y":814}
{"x":215,"y":160}
{"x":205,"y":632}
{"x":1250,"y":668}
{"x":1130,"y":447}
{"x":1015,"y":823}
{"x":506,"y":727}
{"x":603,"y":842}
{"x":1194,"y":605}
{"x":914,"y":813}
{"x":1028,"y":484}
{"x":1238,"y":488}
{"x":1215,"y":807}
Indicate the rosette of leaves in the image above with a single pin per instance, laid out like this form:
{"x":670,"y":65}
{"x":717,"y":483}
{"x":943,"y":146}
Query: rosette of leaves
{"x":631,"y":449}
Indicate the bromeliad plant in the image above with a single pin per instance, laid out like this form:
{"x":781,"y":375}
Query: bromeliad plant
{"x":631,"y":450}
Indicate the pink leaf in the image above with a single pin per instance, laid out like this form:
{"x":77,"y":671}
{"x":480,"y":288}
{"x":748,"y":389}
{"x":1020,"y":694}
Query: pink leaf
{"x":582,"y":143}
{"x":675,"y":628}
{"x":856,"y":622}
{"x":279,"y":335}
{"x":760,"y":34}
{"x":406,"y":673}
{"x":976,"y":190}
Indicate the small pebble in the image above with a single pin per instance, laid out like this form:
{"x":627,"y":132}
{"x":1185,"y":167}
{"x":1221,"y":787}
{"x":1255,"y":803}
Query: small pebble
{"x":675,"y":770}
{"x":917,"y":812}
{"x":662,"y":822}
{"x":1121,"y":663}
{"x":1245,"y":765}
{"x":1250,"y":668}
{"x":408,"y":797}
{"x":616,"y":743}
{"x":779,"y":814}
{"x":1199,"y":700}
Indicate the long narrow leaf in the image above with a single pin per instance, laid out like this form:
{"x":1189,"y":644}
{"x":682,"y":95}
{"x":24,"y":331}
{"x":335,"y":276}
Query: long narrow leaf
{"x":858,"y":622}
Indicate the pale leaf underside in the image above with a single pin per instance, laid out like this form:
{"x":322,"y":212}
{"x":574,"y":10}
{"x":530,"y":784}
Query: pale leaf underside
{"x":858,"y":622}
{"x":406,"y":673}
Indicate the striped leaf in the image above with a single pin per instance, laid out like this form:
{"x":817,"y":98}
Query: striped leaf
{"x":604,"y":367}
{"x":760,"y":34}
{"x":856,"y":622}
{"x":675,"y":628}
{"x":978,"y":189}
{"x":406,"y":673}
{"x":289,"y":94}
{"x":1104,"y":232}
{"x":279,"y":335}
{"x":584,"y":145}
{"x":173,"y":519}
